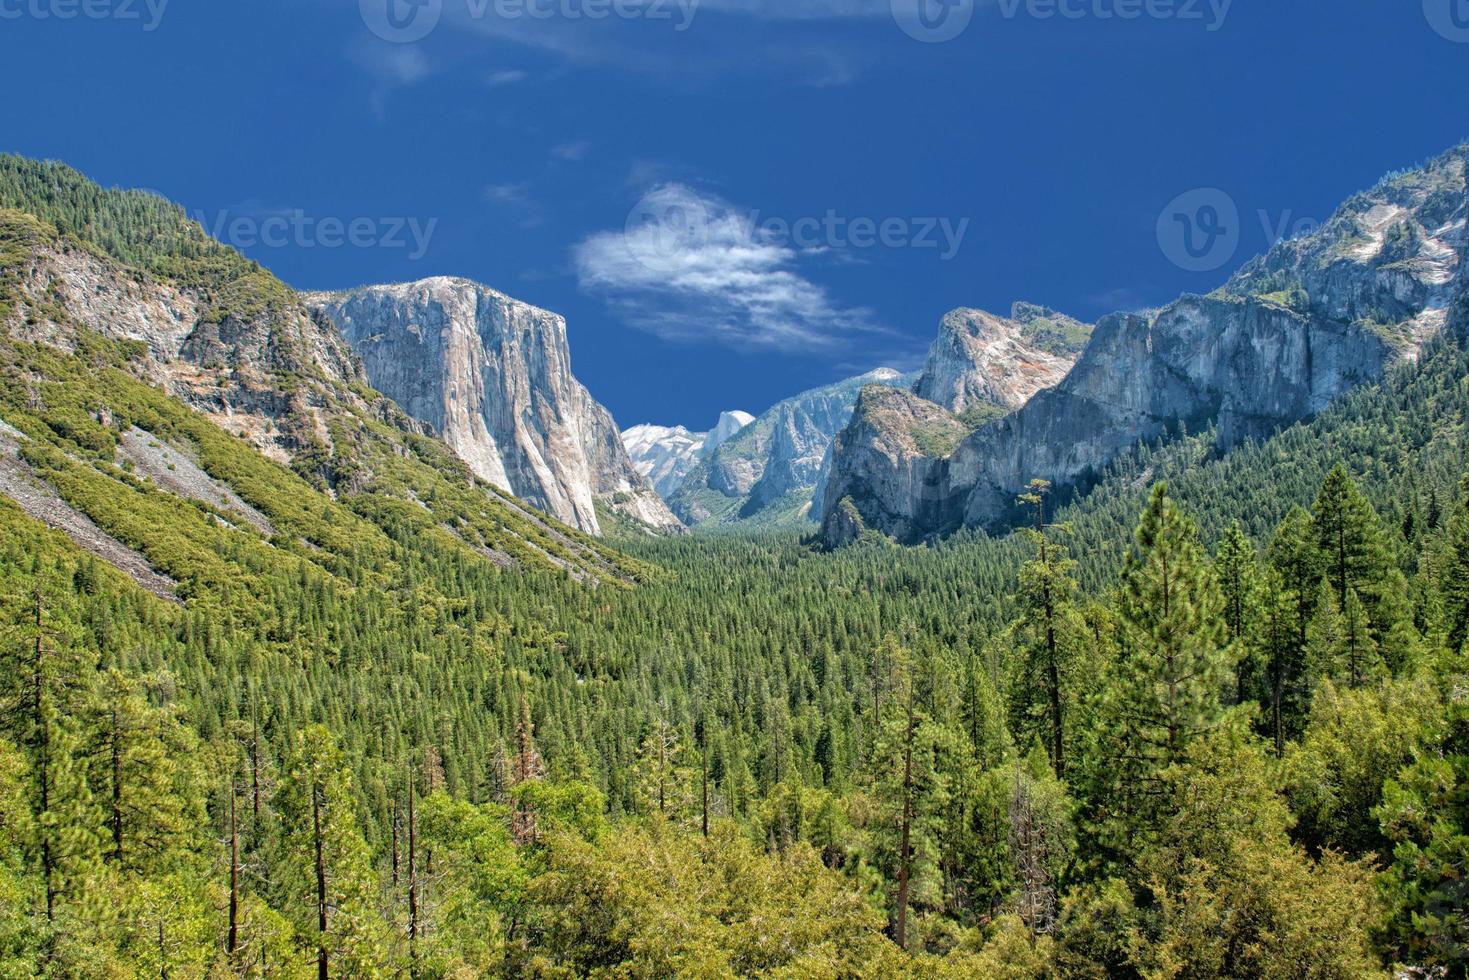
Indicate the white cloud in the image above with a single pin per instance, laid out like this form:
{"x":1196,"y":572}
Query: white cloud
{"x":690,"y":267}
{"x":508,"y":194}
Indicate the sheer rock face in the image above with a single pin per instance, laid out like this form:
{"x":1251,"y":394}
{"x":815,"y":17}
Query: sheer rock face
{"x":666,"y":455}
{"x":1293,"y":330}
{"x":493,"y":377}
{"x":778,"y":462}
{"x":983,"y":359}
{"x":891,"y":451}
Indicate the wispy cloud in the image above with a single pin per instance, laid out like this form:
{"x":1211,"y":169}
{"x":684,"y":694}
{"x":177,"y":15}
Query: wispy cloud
{"x":691,"y":40}
{"x":509,"y":76}
{"x":690,"y":267}
{"x":516,"y":198}
{"x":392,"y":64}
{"x":571,"y":152}
{"x":801,"y":9}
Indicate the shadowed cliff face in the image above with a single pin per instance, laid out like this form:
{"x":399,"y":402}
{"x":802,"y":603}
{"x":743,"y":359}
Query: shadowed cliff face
{"x":1293,"y":330}
{"x":493,"y":377}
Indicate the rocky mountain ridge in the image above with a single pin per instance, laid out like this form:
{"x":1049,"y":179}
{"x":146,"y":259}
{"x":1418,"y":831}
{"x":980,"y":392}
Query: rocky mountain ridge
{"x":182,"y":341}
{"x":769,"y":471}
{"x":1290,"y":332}
{"x":983,"y":359}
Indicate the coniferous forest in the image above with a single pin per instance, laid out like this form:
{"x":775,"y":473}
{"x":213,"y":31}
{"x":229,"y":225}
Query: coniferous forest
{"x":363,"y":718}
{"x":1207,"y":721}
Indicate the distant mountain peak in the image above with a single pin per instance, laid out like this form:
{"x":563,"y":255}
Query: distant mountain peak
{"x":665,"y":456}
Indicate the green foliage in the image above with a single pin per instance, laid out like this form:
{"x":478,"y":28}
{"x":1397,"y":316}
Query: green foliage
{"x":874,"y":730}
{"x":143,"y":231}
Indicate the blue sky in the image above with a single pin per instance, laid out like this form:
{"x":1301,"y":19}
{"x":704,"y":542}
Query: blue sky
{"x":735,"y":200}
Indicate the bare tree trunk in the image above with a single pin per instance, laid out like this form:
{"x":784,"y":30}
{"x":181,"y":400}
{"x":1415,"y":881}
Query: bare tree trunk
{"x":706,"y":784}
{"x":234,"y":936}
{"x":412,"y":885}
{"x":43,"y":757}
{"x":321,"y":909}
{"x":394,"y":822}
{"x":116,"y":786}
{"x":905,"y":847}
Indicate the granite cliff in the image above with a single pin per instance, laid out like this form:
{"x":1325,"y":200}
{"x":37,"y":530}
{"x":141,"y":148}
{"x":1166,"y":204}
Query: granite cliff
{"x":492,"y":376}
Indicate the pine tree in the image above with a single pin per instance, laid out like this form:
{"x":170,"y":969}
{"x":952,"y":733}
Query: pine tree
{"x":1236,"y":566}
{"x":141,"y":762}
{"x":1355,"y":557}
{"x":326,"y":866}
{"x":919,"y":763}
{"x":1176,"y":661}
{"x":1294,"y":554}
{"x":1047,"y":592}
{"x":1455,"y":588}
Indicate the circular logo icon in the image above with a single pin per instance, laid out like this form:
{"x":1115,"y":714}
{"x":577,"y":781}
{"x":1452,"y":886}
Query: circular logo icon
{"x":401,"y":21}
{"x":1450,"y":18}
{"x":1200,"y":231}
{"x":666,"y":224}
{"x":933,"y":21}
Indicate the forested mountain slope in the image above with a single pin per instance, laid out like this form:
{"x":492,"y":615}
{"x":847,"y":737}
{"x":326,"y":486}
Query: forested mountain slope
{"x":105,"y":293}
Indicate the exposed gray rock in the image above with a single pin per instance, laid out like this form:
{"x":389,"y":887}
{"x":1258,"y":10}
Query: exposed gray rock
{"x":665,"y":456}
{"x":769,"y":471}
{"x":894,"y":450}
{"x":1293,"y":330}
{"x":493,"y":377}
{"x":983,"y":359}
